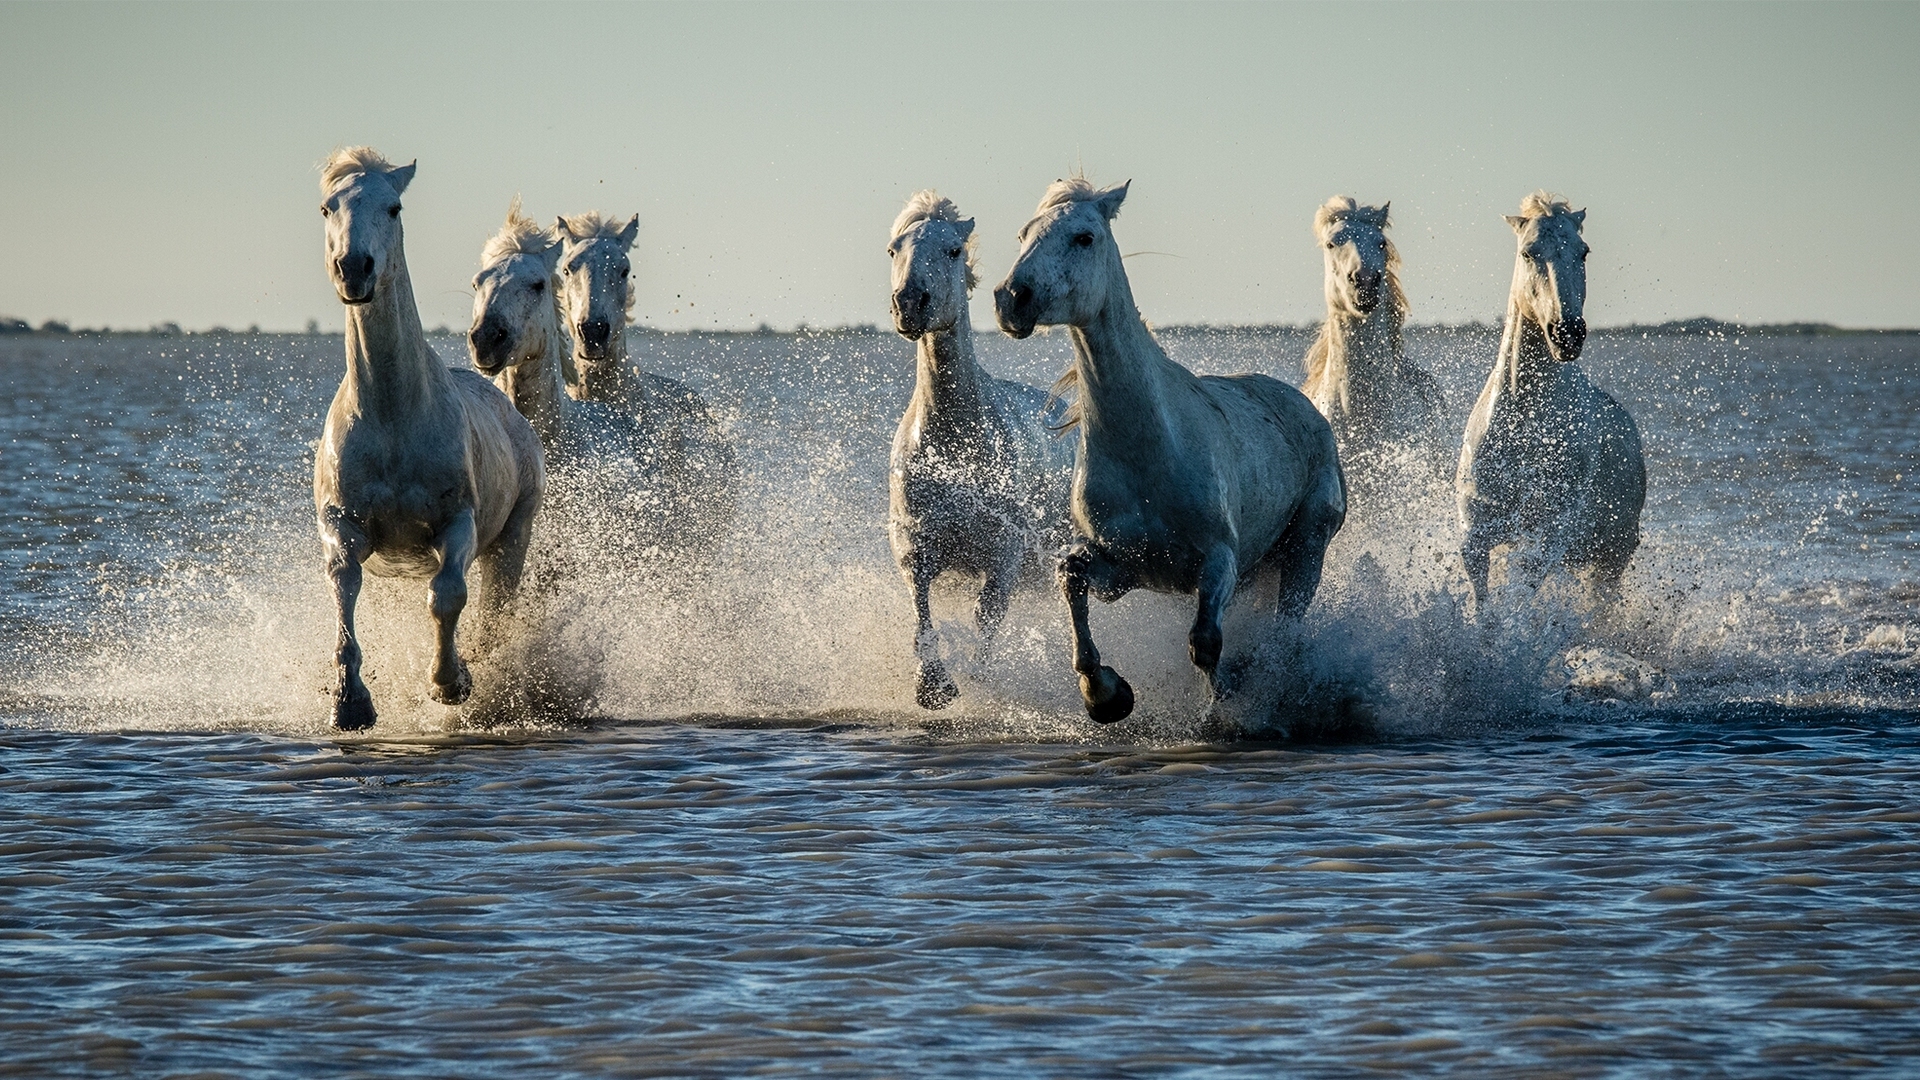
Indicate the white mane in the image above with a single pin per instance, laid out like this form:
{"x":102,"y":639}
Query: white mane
{"x":520,"y":235}
{"x":590,"y":226}
{"x":930,"y":205}
{"x":1544,"y":204}
{"x":350,"y":161}
{"x":1073,"y":189}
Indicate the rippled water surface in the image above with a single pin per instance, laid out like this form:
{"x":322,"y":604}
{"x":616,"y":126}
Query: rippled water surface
{"x":1412,"y":848}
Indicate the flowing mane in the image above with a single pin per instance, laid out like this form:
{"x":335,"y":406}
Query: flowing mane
{"x":1073,"y":189}
{"x":349,"y":161}
{"x":1544,"y":204}
{"x":930,"y":205}
{"x":520,"y":235}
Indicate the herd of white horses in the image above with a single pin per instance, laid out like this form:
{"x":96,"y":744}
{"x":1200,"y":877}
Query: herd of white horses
{"x":1132,"y":473}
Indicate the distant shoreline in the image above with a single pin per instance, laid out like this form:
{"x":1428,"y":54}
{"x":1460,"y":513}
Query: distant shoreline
{"x":1696,"y":327}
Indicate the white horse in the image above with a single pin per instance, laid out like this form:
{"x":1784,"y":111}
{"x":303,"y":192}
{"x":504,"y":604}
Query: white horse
{"x":421,"y":469}
{"x":1549,"y":458}
{"x":597,"y":458}
{"x":1184,"y":484}
{"x":692,"y":459}
{"x":1358,"y":374}
{"x":978,"y":480}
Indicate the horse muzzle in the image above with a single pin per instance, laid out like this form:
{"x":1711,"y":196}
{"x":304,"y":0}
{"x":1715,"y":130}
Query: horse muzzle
{"x":1568,"y":337}
{"x":910,"y":313}
{"x":1013,"y":308}
{"x":491,"y":345}
{"x":594,"y":336}
{"x":353,"y":278}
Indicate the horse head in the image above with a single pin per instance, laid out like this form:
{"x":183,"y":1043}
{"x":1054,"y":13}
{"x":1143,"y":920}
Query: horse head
{"x":1550,"y":271}
{"x":596,"y":276}
{"x":513,"y":295}
{"x":1361,"y":261}
{"x":932,"y":251}
{"x":362,"y":208}
{"x":1068,"y":259}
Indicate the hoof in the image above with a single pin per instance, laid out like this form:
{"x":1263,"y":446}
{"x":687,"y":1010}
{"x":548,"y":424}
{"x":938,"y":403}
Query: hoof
{"x":1204,"y":652}
{"x":1116,"y":706}
{"x":352,"y":709}
{"x":457,"y":692}
{"x":935,"y":694}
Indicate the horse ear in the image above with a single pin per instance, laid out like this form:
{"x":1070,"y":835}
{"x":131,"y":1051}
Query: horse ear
{"x":1384,"y":207}
{"x":1518,"y":223}
{"x":402,"y":176}
{"x":560,"y":228}
{"x":632,"y":232}
{"x":1580,"y":216}
{"x":965,"y":226}
{"x":551,"y":255}
{"x":1109,"y":200}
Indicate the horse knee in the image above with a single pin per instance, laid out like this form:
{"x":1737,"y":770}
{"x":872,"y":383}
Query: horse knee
{"x":447,"y":597}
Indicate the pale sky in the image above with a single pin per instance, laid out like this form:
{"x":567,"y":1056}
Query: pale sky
{"x":157,"y":162}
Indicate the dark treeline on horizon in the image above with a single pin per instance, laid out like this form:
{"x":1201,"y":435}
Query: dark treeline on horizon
{"x":1703,"y":325}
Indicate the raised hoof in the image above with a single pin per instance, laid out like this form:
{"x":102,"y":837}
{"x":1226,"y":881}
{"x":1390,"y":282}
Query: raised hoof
{"x":352,"y":709}
{"x":1117,"y":705}
{"x":935,"y":694}
{"x":457,"y":692}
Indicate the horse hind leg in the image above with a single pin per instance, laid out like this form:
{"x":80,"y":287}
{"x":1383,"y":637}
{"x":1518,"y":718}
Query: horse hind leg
{"x":996,"y":593}
{"x":1302,"y":549}
{"x":1107,"y":696}
{"x":347,"y":547}
{"x":447,"y":598}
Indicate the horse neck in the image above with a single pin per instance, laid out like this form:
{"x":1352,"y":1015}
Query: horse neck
{"x":1525,"y":366}
{"x":391,"y":371}
{"x":606,"y":379}
{"x":538,"y":384}
{"x":1355,"y":354}
{"x":1119,"y":367}
{"x":947,"y":379}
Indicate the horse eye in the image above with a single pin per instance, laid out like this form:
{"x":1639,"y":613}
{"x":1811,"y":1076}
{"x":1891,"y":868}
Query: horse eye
{"x":539,"y":286}
{"x":891,"y":253}
{"x":394,"y":211}
{"x":1085,"y":239}
{"x":325,"y":212}
{"x":954,"y":254}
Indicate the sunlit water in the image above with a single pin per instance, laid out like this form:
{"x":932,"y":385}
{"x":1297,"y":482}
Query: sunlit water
{"x":1407,"y":845}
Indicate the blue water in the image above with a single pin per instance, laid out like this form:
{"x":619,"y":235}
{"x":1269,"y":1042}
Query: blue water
{"x":749,"y":854}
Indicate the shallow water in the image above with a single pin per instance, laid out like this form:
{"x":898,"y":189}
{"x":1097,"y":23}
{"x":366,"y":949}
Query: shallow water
{"x":751,"y":854}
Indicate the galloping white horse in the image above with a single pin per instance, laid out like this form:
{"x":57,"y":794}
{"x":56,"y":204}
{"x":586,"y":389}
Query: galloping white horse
{"x":1184,"y":484}
{"x":421,"y":469}
{"x":1548,"y":457}
{"x":690,"y":455}
{"x":1358,"y":374}
{"x":597,"y":460}
{"x":979,"y":482}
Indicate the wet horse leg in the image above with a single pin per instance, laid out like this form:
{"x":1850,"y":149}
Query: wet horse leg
{"x":447,"y":598}
{"x":1081,"y":567}
{"x":347,"y":547}
{"x":1219,"y":574}
{"x":933,"y":687}
{"x":996,"y":593}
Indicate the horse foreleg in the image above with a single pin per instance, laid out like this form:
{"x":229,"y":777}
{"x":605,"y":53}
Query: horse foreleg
{"x":1302,"y":550}
{"x":933,"y":687}
{"x":1477,"y":554}
{"x":447,"y":598}
{"x":1218,"y":576}
{"x":347,"y":547}
{"x":1106,"y":695}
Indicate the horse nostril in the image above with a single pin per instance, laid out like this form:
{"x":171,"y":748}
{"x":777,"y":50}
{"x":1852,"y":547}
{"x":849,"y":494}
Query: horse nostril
{"x":596,"y":332}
